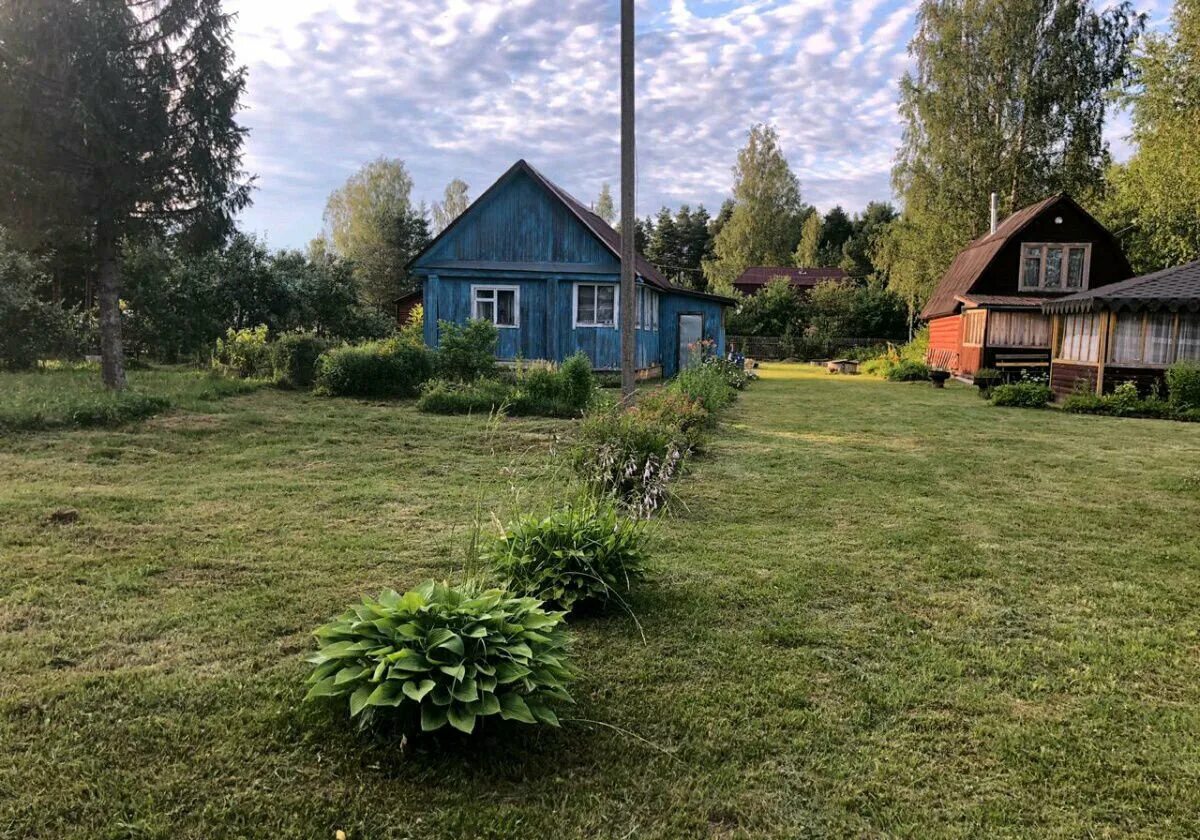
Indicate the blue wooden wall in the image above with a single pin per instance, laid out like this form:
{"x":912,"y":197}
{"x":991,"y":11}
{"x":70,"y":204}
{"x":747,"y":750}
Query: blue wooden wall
{"x":520,"y":235}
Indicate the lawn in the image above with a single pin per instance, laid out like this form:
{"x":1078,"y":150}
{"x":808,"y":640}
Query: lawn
{"x":878,"y":610}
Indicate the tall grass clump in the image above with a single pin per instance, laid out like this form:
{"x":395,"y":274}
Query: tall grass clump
{"x":442,"y":655}
{"x":583,"y":552}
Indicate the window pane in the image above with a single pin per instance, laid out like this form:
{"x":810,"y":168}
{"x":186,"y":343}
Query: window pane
{"x":1031,"y":268}
{"x":1054,"y":268}
{"x":1189,"y":337}
{"x":1127,"y":338}
{"x":483,"y":310}
{"x":1159,"y":327}
{"x":506,"y":308}
{"x":1075,"y":267}
{"x":605,"y":304}
{"x":586,"y":314}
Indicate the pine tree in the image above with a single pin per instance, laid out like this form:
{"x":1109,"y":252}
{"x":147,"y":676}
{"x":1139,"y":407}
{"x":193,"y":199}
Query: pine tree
{"x":1007,"y":96}
{"x":117,"y":118}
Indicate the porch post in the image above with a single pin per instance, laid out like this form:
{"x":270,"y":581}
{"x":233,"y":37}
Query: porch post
{"x":1107,"y":323}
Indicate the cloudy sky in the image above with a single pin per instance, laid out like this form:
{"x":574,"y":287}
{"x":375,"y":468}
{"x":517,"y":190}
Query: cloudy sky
{"x":463,"y":88}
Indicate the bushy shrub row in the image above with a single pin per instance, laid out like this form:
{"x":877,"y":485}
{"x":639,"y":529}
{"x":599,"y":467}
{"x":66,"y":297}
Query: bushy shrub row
{"x":390,"y":368}
{"x":1022,"y":395}
{"x":1183,"y":385}
{"x":1126,"y":401}
{"x":541,"y":389}
{"x":289,"y":361}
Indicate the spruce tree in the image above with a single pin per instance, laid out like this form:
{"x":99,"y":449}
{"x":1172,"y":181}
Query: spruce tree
{"x":117,"y":118}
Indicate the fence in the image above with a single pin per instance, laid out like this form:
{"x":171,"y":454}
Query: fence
{"x":773,"y":347}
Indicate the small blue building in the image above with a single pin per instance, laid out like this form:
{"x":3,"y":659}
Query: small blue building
{"x":543,"y":268}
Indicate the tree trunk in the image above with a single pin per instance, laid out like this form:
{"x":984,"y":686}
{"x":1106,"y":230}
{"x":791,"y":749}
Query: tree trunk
{"x":112,"y":354}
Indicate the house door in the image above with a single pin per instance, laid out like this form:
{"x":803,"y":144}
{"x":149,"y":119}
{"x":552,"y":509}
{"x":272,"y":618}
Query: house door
{"x":691,"y":330}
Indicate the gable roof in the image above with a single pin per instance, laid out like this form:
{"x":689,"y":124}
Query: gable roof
{"x":761,"y":275}
{"x":1172,"y":289}
{"x":599,"y":228}
{"x":973,"y":260}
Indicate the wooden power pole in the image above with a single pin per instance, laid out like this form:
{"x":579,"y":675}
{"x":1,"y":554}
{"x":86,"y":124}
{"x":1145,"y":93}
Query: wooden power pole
{"x":628,"y":208}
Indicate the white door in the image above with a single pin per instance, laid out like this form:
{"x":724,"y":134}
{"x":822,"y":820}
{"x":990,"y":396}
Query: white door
{"x":691,"y":331}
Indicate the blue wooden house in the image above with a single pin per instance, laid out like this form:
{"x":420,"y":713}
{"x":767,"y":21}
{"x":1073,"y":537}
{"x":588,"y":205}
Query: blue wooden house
{"x":543,"y":268}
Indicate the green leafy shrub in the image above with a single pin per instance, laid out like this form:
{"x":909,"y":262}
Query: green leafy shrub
{"x":578,"y":386}
{"x":294,"y":359}
{"x":1022,"y":395}
{"x":1183,"y":385}
{"x":245,"y":353}
{"x":672,"y":409}
{"x":1124,"y":399}
{"x":583,"y":552}
{"x":441,"y":396}
{"x":732,"y":372}
{"x":376,"y":369}
{"x":466,"y":352}
{"x":555,"y":391}
{"x":907,"y":370}
{"x":630,"y":458}
{"x":986,"y":379}
{"x":1084,"y":403}
{"x":706,"y":385}
{"x":880,"y":366}
{"x":444,"y":655}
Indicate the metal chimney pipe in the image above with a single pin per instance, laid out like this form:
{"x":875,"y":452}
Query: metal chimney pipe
{"x":995,"y":211}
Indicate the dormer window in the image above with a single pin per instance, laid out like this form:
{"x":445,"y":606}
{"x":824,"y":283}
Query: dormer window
{"x":1055,"y":266}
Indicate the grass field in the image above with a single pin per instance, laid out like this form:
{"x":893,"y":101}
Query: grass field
{"x":879,"y":610}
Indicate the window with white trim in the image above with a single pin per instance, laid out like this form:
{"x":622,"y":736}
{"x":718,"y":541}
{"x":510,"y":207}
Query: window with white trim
{"x":1055,"y":266}
{"x":499,"y":304}
{"x":595,"y":305}
{"x":647,"y":309}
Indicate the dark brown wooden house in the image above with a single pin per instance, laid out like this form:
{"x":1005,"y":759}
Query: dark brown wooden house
{"x":754,"y":279}
{"x":987,"y":309}
{"x":1126,"y":332}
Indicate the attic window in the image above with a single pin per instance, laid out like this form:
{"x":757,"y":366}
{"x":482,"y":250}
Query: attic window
{"x":1055,"y":266}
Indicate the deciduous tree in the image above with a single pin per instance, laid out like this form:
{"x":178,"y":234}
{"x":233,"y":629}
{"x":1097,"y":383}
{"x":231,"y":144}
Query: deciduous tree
{"x":454,"y":202}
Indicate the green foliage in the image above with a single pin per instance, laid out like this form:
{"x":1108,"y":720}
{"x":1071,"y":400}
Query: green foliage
{"x":376,"y":369}
{"x":30,"y":328}
{"x":734,"y":373}
{"x":986,"y":379}
{"x":1183,"y":385}
{"x":466,"y":352}
{"x":585,"y":552}
{"x":413,"y":332}
{"x":442,"y":396}
{"x":245,"y":353}
{"x":679,"y":244}
{"x":294,"y":359}
{"x":808,"y":252}
{"x":629,"y":457}
{"x":907,"y":371}
{"x":1018,"y":106}
{"x":770,"y":312}
{"x":1022,"y":395}
{"x":671,"y":408}
{"x":842,"y":308}
{"x":455,"y":201}
{"x":1155,"y":196}
{"x":440,"y":655}
{"x":706,"y":384}
{"x":606,"y":208}
{"x":372,"y":222}
{"x":764,"y":226}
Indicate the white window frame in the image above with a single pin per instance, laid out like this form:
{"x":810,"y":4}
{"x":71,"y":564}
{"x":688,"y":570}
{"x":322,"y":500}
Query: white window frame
{"x":516,"y":290}
{"x":1063,"y":268}
{"x":577,"y":324}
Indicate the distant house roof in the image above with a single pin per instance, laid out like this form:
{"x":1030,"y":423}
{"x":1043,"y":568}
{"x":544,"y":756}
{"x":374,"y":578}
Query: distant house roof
{"x":1172,"y":289}
{"x":761,"y":275}
{"x":599,"y":228}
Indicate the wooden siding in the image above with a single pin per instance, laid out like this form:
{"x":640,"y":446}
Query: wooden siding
{"x":674,"y":305}
{"x":1108,"y":264}
{"x":521,"y":223}
{"x":1066,"y":378}
{"x":1146,"y":378}
{"x":945,"y":342}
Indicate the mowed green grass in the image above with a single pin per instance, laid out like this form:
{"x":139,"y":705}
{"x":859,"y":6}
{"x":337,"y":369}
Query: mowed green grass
{"x":878,"y":610}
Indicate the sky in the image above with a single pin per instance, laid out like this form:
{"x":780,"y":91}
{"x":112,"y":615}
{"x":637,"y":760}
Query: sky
{"x":464,"y":88}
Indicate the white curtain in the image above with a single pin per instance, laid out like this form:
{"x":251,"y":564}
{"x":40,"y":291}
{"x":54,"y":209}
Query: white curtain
{"x":1081,"y":338}
{"x":1018,"y":329}
{"x":1127,"y":338}
{"x":1189,"y":337}
{"x":1159,"y":344}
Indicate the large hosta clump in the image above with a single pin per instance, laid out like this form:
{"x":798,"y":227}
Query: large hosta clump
{"x":443,"y":655}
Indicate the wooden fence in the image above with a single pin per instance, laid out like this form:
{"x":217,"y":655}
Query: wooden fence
{"x":769,"y":347}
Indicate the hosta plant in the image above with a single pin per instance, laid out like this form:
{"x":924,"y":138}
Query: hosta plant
{"x":585,"y":551}
{"x":444,"y":655}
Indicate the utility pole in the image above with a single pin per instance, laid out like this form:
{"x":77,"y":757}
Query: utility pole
{"x":628,"y":208}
